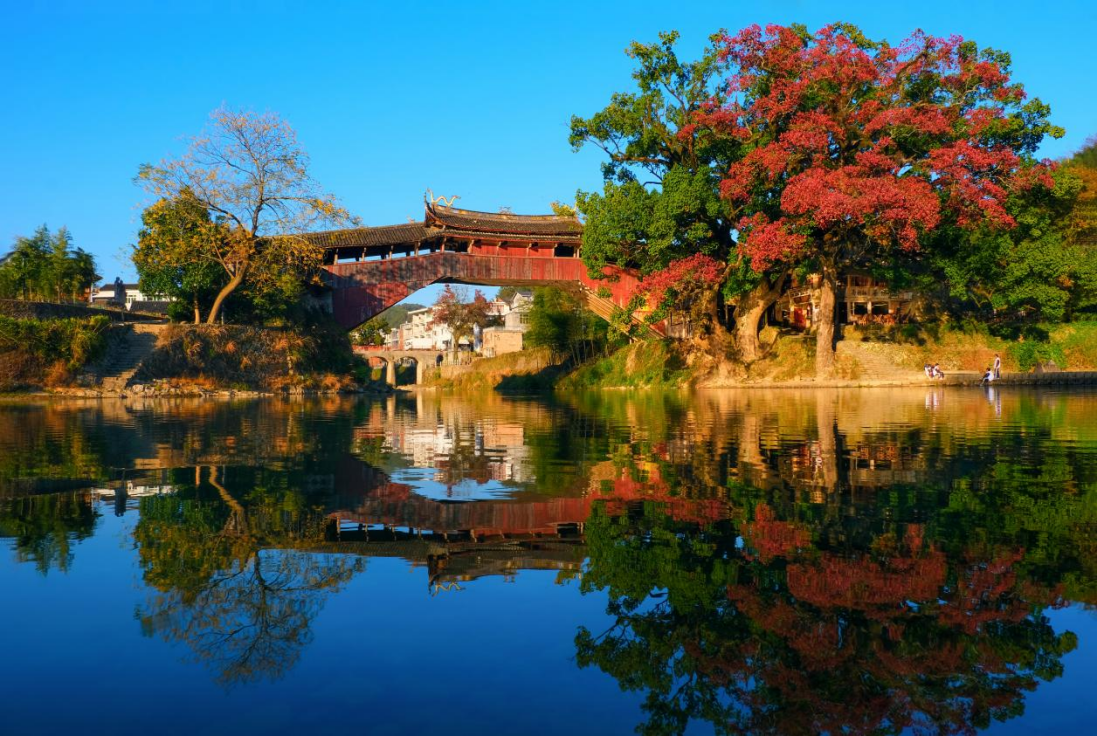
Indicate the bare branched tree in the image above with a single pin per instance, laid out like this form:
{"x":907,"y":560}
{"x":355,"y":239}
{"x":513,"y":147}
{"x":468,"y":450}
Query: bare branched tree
{"x":250,"y":173}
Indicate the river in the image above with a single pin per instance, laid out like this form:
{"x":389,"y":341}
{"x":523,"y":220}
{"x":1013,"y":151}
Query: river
{"x":782,"y":561}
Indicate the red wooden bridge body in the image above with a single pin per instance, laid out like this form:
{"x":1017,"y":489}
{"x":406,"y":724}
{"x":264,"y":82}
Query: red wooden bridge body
{"x":371,"y":269}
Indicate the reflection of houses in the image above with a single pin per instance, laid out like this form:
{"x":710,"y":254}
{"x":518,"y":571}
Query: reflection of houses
{"x":501,"y":446}
{"x":862,"y":299}
{"x":131,"y":489}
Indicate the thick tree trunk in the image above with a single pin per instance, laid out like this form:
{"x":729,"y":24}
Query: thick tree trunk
{"x":235,"y":281}
{"x":824,"y":321}
{"x":709,"y":335}
{"x":748,"y":313}
{"x":197,"y":312}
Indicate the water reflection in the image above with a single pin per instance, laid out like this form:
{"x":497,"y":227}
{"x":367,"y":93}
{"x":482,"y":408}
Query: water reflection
{"x":786,"y":562}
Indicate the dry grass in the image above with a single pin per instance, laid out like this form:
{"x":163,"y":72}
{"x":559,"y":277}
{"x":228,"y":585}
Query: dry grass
{"x":239,"y":357}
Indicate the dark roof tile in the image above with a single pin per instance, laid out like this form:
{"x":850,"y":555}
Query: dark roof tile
{"x":503,"y":223}
{"x":366,"y":236}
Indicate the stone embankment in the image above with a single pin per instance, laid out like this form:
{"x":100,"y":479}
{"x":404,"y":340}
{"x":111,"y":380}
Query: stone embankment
{"x":19,"y":309}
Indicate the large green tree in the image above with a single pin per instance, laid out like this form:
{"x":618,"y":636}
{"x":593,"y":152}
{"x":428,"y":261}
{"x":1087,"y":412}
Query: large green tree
{"x":1036,"y":270}
{"x":660,"y":204}
{"x":170,"y":229}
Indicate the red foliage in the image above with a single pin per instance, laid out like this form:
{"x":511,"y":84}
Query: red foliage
{"x":771,"y":538}
{"x":685,"y":274}
{"x":459,"y":315}
{"x":850,"y":140}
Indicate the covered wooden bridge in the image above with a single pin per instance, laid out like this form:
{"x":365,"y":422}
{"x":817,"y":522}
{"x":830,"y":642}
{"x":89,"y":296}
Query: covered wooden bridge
{"x":370,"y":269}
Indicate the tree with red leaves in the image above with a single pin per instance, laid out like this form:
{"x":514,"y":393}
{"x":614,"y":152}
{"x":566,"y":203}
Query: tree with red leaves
{"x":854,"y":151}
{"x":459,"y":313}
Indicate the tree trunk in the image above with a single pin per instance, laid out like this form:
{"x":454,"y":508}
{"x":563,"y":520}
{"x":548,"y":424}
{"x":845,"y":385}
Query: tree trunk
{"x":235,"y":281}
{"x":710,"y":335}
{"x":197,"y":313}
{"x":824,"y":323}
{"x":748,"y":313}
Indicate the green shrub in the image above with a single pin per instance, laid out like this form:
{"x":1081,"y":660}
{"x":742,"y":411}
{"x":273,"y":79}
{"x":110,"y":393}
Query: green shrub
{"x":76,"y":342}
{"x":1027,"y":354}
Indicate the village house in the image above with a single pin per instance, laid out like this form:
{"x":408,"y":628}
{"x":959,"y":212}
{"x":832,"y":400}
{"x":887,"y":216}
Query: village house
{"x":862,"y":300}
{"x":118,"y":294}
{"x":508,"y":338}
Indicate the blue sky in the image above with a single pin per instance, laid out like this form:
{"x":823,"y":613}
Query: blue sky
{"x":390,"y":98}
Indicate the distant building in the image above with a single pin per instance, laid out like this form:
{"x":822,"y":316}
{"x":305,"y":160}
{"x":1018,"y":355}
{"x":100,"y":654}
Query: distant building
{"x":420,"y":332}
{"x":120,"y":294}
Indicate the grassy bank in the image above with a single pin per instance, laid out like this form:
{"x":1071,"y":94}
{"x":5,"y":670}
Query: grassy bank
{"x":863,"y":357}
{"x":530,"y":370}
{"x":254,"y":358}
{"x":48,"y":353}
{"x":648,"y":364}
{"x":972,"y":347}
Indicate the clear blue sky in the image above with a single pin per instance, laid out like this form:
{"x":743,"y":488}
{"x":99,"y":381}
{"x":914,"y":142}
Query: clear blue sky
{"x":391,"y":98}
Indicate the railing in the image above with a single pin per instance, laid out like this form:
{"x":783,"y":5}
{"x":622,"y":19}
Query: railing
{"x":876,"y":292}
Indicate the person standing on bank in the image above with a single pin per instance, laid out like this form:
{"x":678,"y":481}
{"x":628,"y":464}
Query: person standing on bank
{"x":997,"y":367}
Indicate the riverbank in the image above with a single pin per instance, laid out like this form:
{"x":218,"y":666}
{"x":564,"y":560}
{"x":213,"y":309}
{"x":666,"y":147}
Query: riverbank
{"x":93,"y":357}
{"x":864,"y":358}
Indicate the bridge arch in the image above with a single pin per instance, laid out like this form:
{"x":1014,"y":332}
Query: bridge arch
{"x":423,"y":359}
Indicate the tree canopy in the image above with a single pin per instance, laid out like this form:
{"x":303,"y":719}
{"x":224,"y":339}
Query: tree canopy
{"x":461,"y":314}
{"x":856,"y":150}
{"x":47,"y":267}
{"x":783,"y":152}
{"x":250,"y":175}
{"x":174,"y":236}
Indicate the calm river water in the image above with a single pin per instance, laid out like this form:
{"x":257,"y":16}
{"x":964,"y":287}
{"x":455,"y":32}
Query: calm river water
{"x":862,"y":561}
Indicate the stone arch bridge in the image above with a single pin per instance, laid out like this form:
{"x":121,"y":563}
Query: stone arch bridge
{"x":371,"y":269}
{"x":423,"y":359}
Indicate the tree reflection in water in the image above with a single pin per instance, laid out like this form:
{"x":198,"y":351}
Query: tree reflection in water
{"x":756,"y":629}
{"x":232,"y":584}
{"x":774,"y":563}
{"x":45,"y":528}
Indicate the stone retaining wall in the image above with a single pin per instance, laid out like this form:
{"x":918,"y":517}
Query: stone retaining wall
{"x":19,"y":309}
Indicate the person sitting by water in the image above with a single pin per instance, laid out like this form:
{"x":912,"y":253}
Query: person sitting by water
{"x":928,"y":369}
{"x":937,"y":372}
{"x":988,"y":376}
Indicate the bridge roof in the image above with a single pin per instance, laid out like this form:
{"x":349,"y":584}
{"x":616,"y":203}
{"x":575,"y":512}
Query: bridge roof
{"x":442,"y":222}
{"x":503,"y":222}
{"x":357,"y":237}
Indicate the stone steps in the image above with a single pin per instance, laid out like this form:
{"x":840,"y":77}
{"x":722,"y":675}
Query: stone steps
{"x":123,"y":362}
